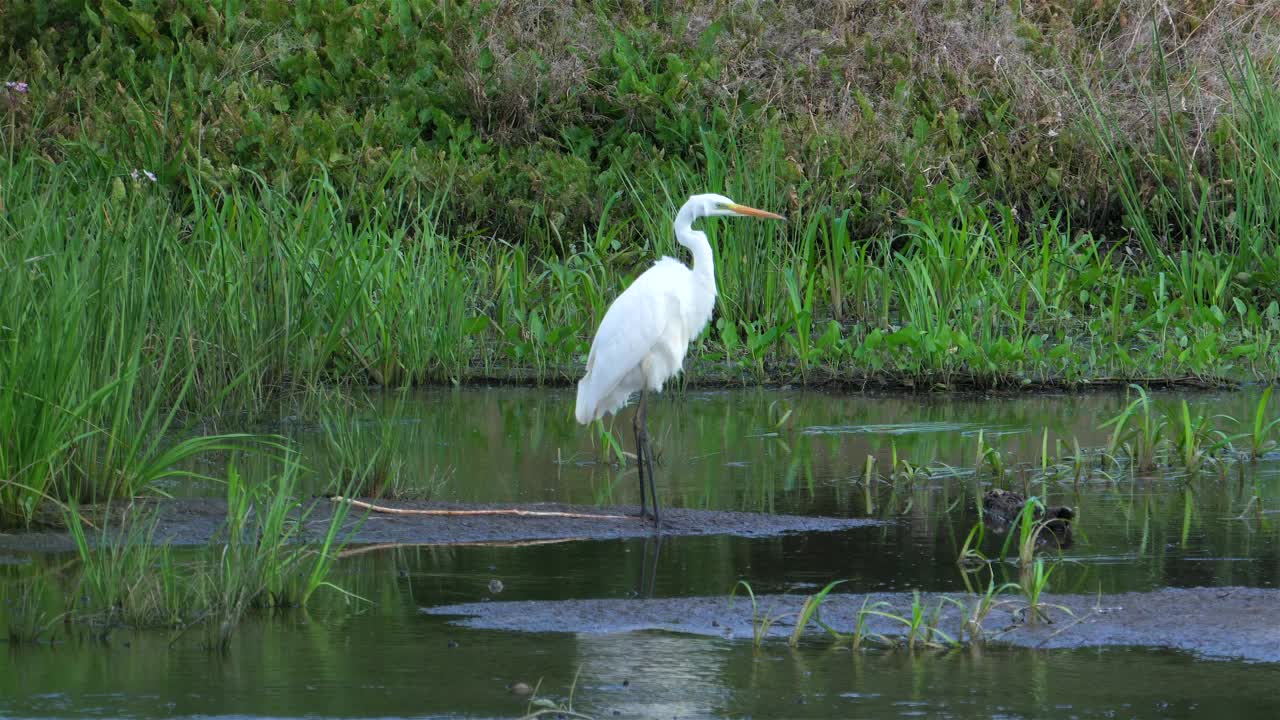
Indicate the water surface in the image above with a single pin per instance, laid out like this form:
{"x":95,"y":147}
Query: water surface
{"x":719,"y":450}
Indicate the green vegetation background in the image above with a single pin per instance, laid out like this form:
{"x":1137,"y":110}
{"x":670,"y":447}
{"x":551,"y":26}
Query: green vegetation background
{"x":980,"y":193}
{"x":530,"y":116}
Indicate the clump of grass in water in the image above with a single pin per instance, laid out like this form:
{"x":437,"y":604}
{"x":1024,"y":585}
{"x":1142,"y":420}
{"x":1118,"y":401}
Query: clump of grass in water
{"x":611,"y":449}
{"x":903,"y":470}
{"x":1029,"y":529}
{"x":1079,"y":462}
{"x":971,"y":556}
{"x":1139,"y":431}
{"x":1198,"y":440}
{"x":1260,"y":440}
{"x":921,"y":626}
{"x":860,"y":632}
{"x":1033,"y":579}
{"x":760,"y":621}
{"x":988,"y":456}
{"x":264,"y":563}
{"x":127,"y":578}
{"x":810,"y":612}
{"x":980,"y":606}
{"x":869,"y":477}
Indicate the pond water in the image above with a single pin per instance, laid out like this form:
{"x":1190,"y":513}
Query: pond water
{"x":776,"y":451}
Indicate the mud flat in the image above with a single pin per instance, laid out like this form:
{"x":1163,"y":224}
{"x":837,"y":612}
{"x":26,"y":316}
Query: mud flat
{"x":198,"y":521}
{"x":1229,"y":622}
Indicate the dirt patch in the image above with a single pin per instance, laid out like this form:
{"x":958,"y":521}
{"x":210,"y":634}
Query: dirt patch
{"x":1215,"y":622}
{"x":197,"y":521}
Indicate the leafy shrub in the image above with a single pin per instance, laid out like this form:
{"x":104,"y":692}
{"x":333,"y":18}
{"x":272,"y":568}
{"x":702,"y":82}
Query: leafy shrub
{"x":531,"y":115}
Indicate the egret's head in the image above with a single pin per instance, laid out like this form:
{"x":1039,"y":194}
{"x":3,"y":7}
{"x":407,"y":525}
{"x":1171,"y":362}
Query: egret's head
{"x":711,"y":205}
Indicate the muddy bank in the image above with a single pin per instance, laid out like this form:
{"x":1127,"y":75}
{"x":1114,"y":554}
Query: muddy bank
{"x":717,"y":376}
{"x":1214,"y":622}
{"x":198,"y":521}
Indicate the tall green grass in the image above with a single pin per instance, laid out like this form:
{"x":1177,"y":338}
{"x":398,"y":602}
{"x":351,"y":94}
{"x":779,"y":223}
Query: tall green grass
{"x":133,"y":313}
{"x":126,"y":321}
{"x":259,"y":561}
{"x":100,"y":367}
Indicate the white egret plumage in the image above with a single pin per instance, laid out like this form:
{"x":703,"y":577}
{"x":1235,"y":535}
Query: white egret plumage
{"x":645,"y":333}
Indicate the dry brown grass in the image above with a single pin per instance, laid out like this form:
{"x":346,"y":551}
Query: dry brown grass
{"x":834,"y":69}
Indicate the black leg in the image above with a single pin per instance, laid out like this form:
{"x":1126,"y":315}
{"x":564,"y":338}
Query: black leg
{"x":638,"y":423}
{"x":644,"y":454}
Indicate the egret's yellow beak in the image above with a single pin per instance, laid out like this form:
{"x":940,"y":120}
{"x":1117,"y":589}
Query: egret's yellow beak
{"x":753,"y":212}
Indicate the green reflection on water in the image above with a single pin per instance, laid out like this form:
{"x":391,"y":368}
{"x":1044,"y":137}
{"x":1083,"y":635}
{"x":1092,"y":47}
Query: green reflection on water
{"x":719,"y":450}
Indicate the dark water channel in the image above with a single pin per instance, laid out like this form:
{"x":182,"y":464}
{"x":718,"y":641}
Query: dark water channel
{"x":718,"y":450}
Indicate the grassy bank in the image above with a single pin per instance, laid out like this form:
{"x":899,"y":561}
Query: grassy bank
{"x":253,"y":291}
{"x":528,"y":120}
{"x":206,"y":211}
{"x":125,"y":318}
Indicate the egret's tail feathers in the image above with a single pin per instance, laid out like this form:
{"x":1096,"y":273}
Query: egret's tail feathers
{"x":594,"y":403}
{"x":585,"y":411}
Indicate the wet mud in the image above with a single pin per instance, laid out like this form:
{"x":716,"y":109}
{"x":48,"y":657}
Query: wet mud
{"x":1231,"y":622}
{"x":198,"y":521}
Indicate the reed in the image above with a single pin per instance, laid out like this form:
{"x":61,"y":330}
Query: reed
{"x":761,"y":621}
{"x":1139,"y":431}
{"x":810,"y":611}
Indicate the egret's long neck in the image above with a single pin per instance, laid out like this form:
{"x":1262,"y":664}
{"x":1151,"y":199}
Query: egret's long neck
{"x":704,"y":266}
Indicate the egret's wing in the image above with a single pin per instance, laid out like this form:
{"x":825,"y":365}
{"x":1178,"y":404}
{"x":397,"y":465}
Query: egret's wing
{"x":634,"y":323}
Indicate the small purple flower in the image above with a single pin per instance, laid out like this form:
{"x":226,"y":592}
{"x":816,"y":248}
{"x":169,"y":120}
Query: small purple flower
{"x":18,"y":87}
{"x":138,"y":175}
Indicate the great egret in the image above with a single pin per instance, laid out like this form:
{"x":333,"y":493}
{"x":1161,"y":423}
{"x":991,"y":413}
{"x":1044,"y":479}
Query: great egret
{"x":645,"y":334}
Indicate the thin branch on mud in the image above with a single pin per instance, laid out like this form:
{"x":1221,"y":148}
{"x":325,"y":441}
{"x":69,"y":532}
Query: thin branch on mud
{"x":495,"y":511}
{"x":392,"y":546}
